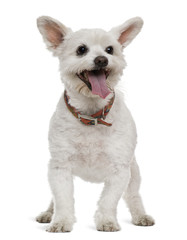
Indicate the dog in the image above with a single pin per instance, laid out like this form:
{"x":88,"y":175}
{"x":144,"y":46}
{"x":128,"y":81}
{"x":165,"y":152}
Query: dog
{"x":92,"y":134}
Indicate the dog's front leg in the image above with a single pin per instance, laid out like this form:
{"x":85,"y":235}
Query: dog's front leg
{"x":61,"y":183}
{"x":115,"y":185}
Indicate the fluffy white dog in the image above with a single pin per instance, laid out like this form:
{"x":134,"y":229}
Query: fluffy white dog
{"x":92,"y":134}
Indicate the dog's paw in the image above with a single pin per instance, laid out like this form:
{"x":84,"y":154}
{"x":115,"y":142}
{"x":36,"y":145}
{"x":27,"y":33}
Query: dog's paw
{"x":44,"y":217}
{"x":106,"y":222}
{"x":60,"y":227}
{"x":108,"y":226}
{"x":144,"y":220}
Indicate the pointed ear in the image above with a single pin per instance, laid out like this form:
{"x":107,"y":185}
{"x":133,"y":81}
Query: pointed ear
{"x":126,"y":32}
{"x":53,"y":31}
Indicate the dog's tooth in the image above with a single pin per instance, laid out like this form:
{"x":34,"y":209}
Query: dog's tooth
{"x":85,"y":75}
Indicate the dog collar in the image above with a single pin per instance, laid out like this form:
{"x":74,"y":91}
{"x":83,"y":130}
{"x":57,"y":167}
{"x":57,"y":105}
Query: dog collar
{"x":94,"y":119}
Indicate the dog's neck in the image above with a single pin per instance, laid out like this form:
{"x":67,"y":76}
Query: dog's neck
{"x":87,"y":105}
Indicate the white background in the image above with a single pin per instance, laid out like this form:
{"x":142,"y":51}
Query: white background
{"x":155,"y":86}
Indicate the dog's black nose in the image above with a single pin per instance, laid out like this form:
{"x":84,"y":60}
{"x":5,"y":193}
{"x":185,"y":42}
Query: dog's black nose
{"x":101,"y":61}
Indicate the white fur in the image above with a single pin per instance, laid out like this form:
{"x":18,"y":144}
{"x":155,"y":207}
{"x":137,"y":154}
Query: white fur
{"x":94,"y":153}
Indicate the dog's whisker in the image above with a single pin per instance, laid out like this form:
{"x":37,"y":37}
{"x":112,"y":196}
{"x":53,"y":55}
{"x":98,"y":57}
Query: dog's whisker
{"x":80,"y":89}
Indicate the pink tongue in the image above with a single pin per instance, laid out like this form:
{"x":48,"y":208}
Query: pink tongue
{"x":98,"y":83}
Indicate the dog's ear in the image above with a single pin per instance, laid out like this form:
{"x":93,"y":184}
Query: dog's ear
{"x":126,"y":32}
{"x":53,"y":31}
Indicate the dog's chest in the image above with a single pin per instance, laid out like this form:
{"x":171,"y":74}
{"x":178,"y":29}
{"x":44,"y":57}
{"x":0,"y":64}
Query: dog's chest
{"x":94,"y":155}
{"x":90,"y":143}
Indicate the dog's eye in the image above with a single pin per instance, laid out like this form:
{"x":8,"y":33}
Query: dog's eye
{"x":109,"y":50}
{"x":81,"y":50}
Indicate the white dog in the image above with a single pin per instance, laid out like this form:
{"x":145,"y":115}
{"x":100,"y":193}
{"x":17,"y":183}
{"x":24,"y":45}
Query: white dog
{"x":92,"y":134}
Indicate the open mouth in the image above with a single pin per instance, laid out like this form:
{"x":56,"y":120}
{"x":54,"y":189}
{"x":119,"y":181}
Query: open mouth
{"x":96,"y":81}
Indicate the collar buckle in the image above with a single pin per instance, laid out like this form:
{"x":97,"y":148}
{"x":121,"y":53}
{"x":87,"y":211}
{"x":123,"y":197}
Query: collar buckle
{"x":94,"y":120}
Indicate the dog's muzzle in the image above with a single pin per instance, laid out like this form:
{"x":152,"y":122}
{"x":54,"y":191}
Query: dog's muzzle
{"x":96,"y":78}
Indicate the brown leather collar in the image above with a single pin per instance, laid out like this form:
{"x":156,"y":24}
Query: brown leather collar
{"x":94,"y":119}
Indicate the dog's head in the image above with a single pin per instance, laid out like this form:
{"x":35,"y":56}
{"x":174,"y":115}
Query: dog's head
{"x":91,"y":60}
